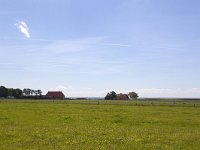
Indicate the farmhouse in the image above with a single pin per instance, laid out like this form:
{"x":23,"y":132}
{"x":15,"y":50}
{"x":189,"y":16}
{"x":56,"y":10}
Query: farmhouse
{"x":122,"y":96}
{"x":55,"y":95}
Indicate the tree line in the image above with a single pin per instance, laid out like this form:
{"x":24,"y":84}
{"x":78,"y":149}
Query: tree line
{"x":18,"y":93}
{"x":113,"y":96}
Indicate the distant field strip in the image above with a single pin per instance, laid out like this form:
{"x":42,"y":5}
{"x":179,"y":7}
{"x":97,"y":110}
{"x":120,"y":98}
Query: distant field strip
{"x":161,"y":102}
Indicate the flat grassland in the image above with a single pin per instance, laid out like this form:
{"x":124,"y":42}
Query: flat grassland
{"x":92,"y":124}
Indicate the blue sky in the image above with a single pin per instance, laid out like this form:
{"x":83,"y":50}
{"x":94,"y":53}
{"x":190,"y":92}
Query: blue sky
{"x":90,"y":47}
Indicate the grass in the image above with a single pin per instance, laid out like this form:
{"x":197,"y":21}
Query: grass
{"x":29,"y":124}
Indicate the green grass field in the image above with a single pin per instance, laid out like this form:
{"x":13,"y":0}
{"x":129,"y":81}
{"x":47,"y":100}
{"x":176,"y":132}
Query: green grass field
{"x":29,"y":124}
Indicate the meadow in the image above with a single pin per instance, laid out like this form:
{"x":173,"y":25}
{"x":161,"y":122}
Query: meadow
{"x":93,"y":124}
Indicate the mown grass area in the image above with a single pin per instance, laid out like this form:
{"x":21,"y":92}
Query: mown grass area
{"x":37,"y":124}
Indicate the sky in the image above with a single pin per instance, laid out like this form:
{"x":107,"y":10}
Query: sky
{"x":91,"y":47}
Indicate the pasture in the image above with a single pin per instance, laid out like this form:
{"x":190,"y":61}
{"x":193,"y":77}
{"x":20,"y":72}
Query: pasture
{"x":92,"y":124}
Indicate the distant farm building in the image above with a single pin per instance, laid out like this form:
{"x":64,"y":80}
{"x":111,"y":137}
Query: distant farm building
{"x":55,"y":95}
{"x":122,"y":96}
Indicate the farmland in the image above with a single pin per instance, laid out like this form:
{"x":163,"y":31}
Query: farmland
{"x":93,"y":124}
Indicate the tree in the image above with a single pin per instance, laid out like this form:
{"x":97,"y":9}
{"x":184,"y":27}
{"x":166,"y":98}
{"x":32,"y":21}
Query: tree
{"x":27,"y":92}
{"x":11,"y":92}
{"x":39,"y":92}
{"x":3,"y":91}
{"x":107,"y":97}
{"x":133,"y":95}
{"x":32,"y":92}
{"x":18,"y":93}
{"x":24,"y":92}
{"x":111,"y":96}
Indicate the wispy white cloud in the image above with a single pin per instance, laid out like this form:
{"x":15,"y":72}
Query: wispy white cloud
{"x":23,"y":27}
{"x":61,"y":87}
{"x":72,"y":56}
{"x":169,"y":93}
{"x":117,"y":44}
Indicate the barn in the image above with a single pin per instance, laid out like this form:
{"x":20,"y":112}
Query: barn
{"x":55,"y":95}
{"x":122,"y":96}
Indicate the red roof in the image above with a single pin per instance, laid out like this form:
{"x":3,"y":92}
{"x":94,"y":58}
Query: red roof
{"x":55,"y":94}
